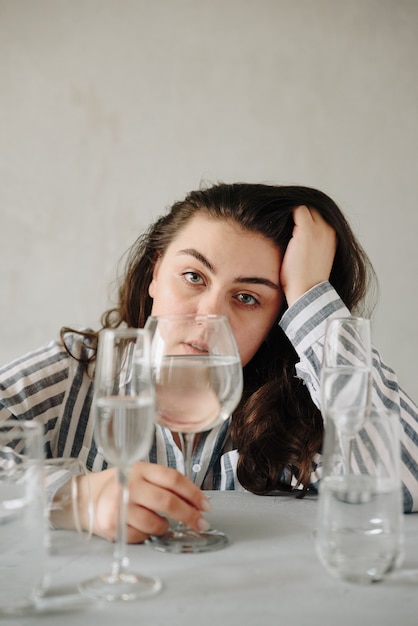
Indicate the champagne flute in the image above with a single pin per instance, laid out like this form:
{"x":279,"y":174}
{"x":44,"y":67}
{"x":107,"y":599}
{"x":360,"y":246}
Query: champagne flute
{"x":124,"y":405}
{"x":346,"y":377}
{"x":198,"y":383}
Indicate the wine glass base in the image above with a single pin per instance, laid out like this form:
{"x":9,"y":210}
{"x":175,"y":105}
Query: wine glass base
{"x":188,"y":541}
{"x":124,"y":586}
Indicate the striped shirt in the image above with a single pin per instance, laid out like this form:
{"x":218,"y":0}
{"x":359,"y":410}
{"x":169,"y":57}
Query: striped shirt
{"x":50,"y":386}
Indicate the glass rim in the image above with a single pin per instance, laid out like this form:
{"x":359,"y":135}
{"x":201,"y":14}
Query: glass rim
{"x":176,"y":316}
{"x":125,"y":331}
{"x":26,"y":427}
{"x":348,"y":318}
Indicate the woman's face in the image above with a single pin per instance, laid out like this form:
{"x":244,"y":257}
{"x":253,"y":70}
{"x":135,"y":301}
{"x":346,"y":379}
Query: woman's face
{"x":214,"y":266}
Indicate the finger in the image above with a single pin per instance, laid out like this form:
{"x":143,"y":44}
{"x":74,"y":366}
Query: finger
{"x":161,"y":500}
{"x":306,"y":215}
{"x":302,"y":215}
{"x":142,"y":522}
{"x":171,"y":480}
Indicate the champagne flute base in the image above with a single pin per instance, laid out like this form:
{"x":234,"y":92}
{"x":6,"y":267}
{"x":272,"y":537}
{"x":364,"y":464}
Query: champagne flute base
{"x":188,"y":541}
{"x":124,"y":586}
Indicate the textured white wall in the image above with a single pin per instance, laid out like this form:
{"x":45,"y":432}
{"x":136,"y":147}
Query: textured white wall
{"x":112,"y":109}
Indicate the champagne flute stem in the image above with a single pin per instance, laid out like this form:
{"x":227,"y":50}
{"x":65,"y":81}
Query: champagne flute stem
{"x":120,"y":558}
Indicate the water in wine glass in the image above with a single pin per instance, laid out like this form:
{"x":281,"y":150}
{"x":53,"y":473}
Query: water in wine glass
{"x":195,"y":393}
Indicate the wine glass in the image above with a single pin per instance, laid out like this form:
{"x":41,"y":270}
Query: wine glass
{"x":346,"y":377}
{"x":124,"y":405}
{"x":198,"y":380}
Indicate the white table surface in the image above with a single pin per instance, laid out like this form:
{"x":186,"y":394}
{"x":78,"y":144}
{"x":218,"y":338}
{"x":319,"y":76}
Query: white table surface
{"x":269,"y":573}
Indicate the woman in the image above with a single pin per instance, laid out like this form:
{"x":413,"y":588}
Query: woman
{"x":277,"y":261}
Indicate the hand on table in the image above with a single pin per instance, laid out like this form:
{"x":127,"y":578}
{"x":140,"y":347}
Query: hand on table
{"x":155,"y":491}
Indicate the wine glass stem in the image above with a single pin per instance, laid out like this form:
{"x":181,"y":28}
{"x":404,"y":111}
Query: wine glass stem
{"x":120,"y":558}
{"x":347,"y":444}
{"x":187,"y":441}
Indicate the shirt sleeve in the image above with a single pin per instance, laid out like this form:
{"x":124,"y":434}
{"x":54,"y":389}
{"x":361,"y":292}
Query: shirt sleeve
{"x":55,"y":389}
{"x":304,"y":324}
{"x":33,"y":387}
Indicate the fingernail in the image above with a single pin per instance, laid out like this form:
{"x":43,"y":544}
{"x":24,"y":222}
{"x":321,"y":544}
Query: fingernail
{"x":203,"y":524}
{"x":205,"y":505}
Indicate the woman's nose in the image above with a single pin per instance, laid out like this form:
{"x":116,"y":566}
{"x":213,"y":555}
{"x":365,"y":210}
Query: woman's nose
{"x":212,"y":304}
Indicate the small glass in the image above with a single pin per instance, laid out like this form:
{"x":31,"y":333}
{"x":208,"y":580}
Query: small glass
{"x":359,"y":534}
{"x":22,"y":516}
{"x":70,"y":523}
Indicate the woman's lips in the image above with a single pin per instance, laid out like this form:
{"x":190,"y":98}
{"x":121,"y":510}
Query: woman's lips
{"x":195,"y":348}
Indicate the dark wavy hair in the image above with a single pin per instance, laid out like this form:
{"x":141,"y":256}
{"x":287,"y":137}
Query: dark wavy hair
{"x":276,"y":424}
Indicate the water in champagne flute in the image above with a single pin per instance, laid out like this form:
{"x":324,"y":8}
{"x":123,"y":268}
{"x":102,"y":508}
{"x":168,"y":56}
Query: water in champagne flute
{"x":123,"y":427}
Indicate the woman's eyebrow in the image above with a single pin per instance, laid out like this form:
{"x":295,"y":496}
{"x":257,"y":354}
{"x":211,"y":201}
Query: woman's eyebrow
{"x":254,"y":280}
{"x":199,"y":256}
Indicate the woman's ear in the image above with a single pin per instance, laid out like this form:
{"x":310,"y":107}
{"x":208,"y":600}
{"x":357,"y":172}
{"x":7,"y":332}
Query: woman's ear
{"x":151,"y":288}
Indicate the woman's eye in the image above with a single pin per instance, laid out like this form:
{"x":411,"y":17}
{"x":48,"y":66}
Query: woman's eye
{"x":193,"y":277}
{"x":245,"y":298}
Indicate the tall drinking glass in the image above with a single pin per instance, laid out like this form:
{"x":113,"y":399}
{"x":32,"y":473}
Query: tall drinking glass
{"x":346,"y":376}
{"x":124,"y":405}
{"x":359,"y":534}
{"x":70,"y":514}
{"x":22,"y":516}
{"x":198,"y":382}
